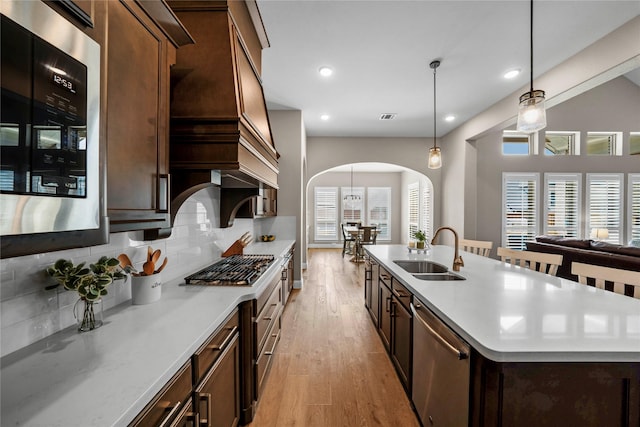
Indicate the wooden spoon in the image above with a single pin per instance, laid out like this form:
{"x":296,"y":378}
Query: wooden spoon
{"x":164,"y":263}
{"x":148,"y":268}
{"x":155,"y":256}
{"x":149,"y":253}
{"x":124,"y":260}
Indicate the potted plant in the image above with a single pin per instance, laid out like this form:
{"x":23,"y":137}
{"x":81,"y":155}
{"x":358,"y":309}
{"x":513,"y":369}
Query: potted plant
{"x":91,"y":283}
{"x":421,"y":238}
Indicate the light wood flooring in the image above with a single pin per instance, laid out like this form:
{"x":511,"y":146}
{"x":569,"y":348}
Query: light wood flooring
{"x":330,"y":367}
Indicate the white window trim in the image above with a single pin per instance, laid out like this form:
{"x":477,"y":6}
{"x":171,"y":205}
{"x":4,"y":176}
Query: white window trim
{"x":575,"y":146}
{"x":515,"y":176}
{"x":533,"y":142}
{"x":617,"y":143}
{"x":577,"y":177}
{"x":606,"y":177}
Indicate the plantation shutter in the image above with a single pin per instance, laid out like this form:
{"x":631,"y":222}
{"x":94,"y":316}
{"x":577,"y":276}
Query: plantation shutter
{"x":379,"y":210}
{"x":634,"y":208}
{"x":519,"y":209}
{"x":562,"y":204}
{"x":604,"y":204}
{"x":352,"y":204}
{"x":426,"y":216}
{"x":326,"y":213}
{"x":414,"y":209}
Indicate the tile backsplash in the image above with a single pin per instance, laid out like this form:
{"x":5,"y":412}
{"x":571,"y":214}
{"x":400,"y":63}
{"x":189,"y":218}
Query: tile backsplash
{"x":29,"y":313}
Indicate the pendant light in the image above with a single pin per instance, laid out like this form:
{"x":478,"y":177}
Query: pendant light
{"x":351,"y":197}
{"x":531,"y":113}
{"x":435,"y":156}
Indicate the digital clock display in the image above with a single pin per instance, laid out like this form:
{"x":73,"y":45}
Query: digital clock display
{"x":64,"y":82}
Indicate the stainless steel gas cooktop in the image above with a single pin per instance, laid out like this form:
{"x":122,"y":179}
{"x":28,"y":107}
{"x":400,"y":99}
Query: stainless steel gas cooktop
{"x":236,"y":270}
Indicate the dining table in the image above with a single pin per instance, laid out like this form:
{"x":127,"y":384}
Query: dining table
{"x":357,"y":232}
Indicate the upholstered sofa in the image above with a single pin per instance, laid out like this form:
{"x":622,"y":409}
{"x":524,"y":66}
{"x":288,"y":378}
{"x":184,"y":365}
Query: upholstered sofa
{"x":588,"y":252}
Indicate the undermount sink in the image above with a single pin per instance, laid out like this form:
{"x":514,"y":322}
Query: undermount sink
{"x":439,"y":277}
{"x":421,"y":266}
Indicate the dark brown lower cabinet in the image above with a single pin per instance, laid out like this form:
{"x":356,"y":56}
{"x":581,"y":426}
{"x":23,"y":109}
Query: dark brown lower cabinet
{"x":217,"y":397}
{"x":554,"y":394}
{"x":401,"y":338}
{"x":372,"y":290}
{"x":384,"y":324}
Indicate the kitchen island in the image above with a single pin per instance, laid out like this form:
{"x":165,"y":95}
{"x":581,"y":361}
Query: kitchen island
{"x":541,"y":347}
{"x":107,"y":376}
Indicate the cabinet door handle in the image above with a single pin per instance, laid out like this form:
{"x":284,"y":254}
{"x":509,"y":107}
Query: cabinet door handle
{"x":273,"y":347}
{"x":207,"y":412}
{"x":270,"y":317}
{"x":461,"y":354}
{"x":193,"y":417}
{"x":218,"y":347}
{"x":167,"y":420}
{"x":393,"y":309}
{"x":399,"y":294}
{"x":387,"y":304}
{"x":163,"y":193}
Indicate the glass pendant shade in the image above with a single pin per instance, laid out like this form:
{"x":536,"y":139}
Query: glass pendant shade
{"x":435,"y":158}
{"x":532,"y":116}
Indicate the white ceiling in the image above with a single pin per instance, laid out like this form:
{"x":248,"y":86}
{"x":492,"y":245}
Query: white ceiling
{"x":381,"y":50}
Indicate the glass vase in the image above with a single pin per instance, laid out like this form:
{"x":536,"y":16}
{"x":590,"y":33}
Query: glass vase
{"x":88,"y":314}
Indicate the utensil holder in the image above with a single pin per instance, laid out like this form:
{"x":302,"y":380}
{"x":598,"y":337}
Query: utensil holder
{"x":146,"y":289}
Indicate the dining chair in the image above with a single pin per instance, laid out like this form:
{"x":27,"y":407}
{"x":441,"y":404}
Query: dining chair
{"x":478,"y":247}
{"x":537,"y":261}
{"x":353,"y":224}
{"x":348,"y":241}
{"x":367,"y":236}
{"x":598,"y":275}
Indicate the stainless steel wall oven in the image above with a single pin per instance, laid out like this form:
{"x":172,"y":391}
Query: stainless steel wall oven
{"x":51,"y":177}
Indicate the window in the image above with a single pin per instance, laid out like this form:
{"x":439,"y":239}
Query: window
{"x":516,"y":143}
{"x":353,"y":204}
{"x":379,"y":210}
{"x":604,"y":143}
{"x":634,"y":143}
{"x":519,"y":208}
{"x":604,"y":204}
{"x":326,"y":213}
{"x":561,"y":143}
{"x":426,"y":216}
{"x":634,"y":209}
{"x":414,"y":208}
{"x":562,"y":204}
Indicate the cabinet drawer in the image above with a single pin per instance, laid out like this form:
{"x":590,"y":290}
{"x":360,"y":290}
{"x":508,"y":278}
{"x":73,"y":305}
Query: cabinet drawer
{"x":168,"y":401}
{"x":264,"y":360}
{"x":269,"y":314}
{"x":266,"y":295}
{"x":211,"y":350}
{"x":401,"y":293}
{"x":385,"y":277}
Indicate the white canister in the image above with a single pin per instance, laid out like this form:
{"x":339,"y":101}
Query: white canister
{"x":146,"y":289}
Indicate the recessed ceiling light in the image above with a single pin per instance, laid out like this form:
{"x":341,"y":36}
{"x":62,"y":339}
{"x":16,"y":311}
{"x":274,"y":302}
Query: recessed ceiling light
{"x":325,"y":117}
{"x":450,"y":118}
{"x":511,"y":73}
{"x":325,"y":71}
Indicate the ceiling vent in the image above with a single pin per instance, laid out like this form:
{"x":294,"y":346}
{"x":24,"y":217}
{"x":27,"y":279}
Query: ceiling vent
{"x":388,"y":116}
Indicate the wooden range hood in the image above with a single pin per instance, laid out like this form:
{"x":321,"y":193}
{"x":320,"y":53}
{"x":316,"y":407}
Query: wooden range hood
{"x":219,"y":122}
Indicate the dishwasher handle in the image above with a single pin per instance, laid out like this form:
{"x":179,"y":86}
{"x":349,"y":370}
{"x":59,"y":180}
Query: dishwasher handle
{"x":459,"y":353}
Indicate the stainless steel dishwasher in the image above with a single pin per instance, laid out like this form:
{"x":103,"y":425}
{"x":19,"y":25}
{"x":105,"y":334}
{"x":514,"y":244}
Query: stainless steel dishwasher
{"x":441,"y":371}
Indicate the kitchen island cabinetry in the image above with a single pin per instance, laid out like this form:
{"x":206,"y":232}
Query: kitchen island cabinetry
{"x":372,"y":289}
{"x":525,"y":348}
{"x":401,"y":333}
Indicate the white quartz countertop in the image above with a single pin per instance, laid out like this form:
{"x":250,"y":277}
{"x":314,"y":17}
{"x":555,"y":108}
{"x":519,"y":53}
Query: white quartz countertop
{"x":509,"y":313}
{"x":106,"y":377}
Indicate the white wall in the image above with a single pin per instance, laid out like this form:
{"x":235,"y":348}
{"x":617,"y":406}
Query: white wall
{"x":29,"y":313}
{"x":613,"y":106}
{"x":289,"y":136}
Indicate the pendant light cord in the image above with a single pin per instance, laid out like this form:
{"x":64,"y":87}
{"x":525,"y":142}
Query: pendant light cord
{"x":531,"y":45}
{"x":434,"y":107}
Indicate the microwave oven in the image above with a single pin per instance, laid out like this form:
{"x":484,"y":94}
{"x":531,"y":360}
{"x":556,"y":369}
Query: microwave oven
{"x":51,"y":176}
